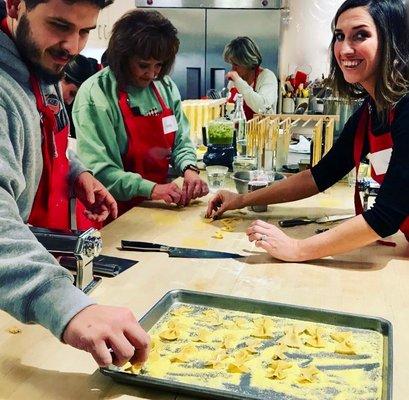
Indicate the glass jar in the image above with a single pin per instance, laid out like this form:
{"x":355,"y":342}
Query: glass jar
{"x":220,"y":132}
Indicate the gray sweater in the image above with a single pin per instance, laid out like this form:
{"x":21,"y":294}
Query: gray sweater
{"x":34,"y":288}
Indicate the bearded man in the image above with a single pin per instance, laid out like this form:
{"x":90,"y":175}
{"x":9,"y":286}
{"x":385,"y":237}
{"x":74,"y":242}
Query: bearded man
{"x":37,"y":40}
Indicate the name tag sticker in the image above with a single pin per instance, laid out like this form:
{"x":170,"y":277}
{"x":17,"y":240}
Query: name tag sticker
{"x":169,"y":124}
{"x":380,"y":161}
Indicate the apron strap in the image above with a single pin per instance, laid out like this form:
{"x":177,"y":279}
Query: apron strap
{"x":159,"y":97}
{"x":360,"y":134}
{"x":47,"y":116}
{"x":258,"y":72}
{"x":124,"y":97}
{"x":5,"y":27}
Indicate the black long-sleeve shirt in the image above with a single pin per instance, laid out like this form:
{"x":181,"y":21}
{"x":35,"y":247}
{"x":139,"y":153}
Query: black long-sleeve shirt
{"x":391,"y":206}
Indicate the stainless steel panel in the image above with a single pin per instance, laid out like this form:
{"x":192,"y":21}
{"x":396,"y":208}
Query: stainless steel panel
{"x":263,"y":26}
{"x":259,"y":307}
{"x":203,"y":35}
{"x":191,"y":32}
{"x":255,"y":4}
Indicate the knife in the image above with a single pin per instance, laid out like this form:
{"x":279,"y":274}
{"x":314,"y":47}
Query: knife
{"x":286,"y":223}
{"x":176,"y":251}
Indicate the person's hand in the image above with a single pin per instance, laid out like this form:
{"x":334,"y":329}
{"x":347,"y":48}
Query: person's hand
{"x":274,"y":241}
{"x":193,"y":187}
{"x":168,"y":192}
{"x":223,"y":201}
{"x":111,"y":334}
{"x":232,"y":76}
{"x":98,"y":202}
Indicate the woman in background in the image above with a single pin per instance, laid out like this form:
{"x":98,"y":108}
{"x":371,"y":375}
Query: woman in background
{"x":369,"y":60}
{"x":78,"y":70}
{"x":257,"y":85}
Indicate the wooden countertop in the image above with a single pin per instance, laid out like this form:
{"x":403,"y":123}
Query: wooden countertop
{"x":372,"y":281}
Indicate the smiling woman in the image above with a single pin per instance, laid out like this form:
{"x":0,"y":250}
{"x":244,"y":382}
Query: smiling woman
{"x":370,"y":53}
{"x":372,"y":35}
{"x":357,"y":48}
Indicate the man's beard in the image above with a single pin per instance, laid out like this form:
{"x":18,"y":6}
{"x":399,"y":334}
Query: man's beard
{"x":31,"y":53}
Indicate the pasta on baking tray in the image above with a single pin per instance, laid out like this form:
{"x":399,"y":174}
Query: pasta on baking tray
{"x":218,"y":348}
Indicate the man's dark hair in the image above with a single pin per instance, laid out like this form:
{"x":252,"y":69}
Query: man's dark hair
{"x":391,"y":20}
{"x":143,"y":35}
{"x":30,"y":4}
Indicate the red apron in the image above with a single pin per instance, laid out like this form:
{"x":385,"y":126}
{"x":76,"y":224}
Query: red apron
{"x":233,"y":96}
{"x":150,"y":144}
{"x":51,"y":208}
{"x":377,"y":144}
{"x":51,"y":203}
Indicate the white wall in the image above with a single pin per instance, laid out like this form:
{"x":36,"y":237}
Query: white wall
{"x":306,"y":39}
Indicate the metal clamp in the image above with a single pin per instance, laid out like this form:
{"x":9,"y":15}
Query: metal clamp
{"x":369,"y":188}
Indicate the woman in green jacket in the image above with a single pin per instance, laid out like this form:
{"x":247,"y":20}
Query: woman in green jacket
{"x":128,"y":117}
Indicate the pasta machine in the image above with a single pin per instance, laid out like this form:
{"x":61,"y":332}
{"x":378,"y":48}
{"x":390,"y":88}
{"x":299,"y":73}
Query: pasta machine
{"x":82,"y":246}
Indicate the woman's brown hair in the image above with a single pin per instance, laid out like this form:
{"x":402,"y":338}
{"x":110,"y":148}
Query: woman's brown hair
{"x":142,"y":35}
{"x":391,"y":20}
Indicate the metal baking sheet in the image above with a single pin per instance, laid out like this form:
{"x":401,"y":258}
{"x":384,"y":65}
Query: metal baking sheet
{"x":303,"y":314}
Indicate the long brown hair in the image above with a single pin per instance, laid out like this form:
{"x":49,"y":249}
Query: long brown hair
{"x":391,"y":20}
{"x":143,"y":35}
